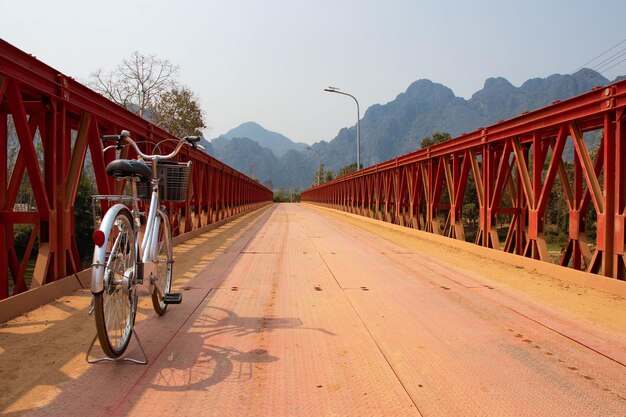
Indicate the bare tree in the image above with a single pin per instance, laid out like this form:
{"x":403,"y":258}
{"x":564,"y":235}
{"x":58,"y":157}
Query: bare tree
{"x":137,"y":83}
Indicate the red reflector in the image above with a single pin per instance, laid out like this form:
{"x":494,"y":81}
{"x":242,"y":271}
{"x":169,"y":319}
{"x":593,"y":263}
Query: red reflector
{"x":98,"y":237}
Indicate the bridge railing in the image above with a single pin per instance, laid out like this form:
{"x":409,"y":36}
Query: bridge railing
{"x":50,"y":129}
{"x":500,"y":182}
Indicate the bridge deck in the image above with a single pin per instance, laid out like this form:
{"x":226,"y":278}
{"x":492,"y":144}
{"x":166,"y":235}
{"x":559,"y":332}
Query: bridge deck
{"x":291,"y":311}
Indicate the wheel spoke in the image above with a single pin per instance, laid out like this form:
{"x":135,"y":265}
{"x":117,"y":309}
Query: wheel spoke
{"x":115,"y":316}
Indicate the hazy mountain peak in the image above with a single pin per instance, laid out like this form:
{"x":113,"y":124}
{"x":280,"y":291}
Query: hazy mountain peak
{"x":279,"y":144}
{"x":426,"y":90}
{"x":498,"y":83}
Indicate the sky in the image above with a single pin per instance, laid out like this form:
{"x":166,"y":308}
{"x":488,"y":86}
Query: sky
{"x":269,"y":61}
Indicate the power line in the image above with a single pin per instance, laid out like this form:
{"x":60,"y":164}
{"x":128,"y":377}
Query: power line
{"x":603,"y":66}
{"x":614,"y":65}
{"x":563,"y":90}
{"x":610,"y":60}
{"x":608,"y":50}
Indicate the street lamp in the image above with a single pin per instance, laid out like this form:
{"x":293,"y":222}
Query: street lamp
{"x":319,"y":165}
{"x":358,"y":117}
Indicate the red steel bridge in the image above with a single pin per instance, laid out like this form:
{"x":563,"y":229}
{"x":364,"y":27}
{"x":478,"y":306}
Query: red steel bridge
{"x":513,"y":167}
{"x":390,"y":309}
{"x":57,"y":122}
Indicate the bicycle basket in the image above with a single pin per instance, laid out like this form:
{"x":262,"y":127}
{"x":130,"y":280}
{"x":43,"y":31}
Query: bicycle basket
{"x":173,"y":176}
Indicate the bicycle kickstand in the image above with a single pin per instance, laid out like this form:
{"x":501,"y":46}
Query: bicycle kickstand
{"x":107,"y":359}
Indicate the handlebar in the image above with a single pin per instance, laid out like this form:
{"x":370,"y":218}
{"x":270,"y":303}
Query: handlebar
{"x":124,"y":136}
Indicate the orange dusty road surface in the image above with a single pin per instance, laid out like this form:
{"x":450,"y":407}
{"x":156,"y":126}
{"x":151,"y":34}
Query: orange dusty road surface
{"x":300,"y":313}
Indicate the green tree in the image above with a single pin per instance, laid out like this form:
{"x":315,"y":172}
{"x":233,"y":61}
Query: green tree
{"x":280,"y":195}
{"x":328,"y":176}
{"x":435,"y":138}
{"x":347,"y":169}
{"x":284,"y":196}
{"x":178,"y":112}
{"x":319,"y":175}
{"x":83,"y":218}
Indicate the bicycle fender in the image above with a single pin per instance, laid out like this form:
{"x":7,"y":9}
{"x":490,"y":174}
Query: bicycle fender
{"x":99,"y":253}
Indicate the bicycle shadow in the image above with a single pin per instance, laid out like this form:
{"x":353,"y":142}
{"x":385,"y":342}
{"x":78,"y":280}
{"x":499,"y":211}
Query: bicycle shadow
{"x":199,"y":364}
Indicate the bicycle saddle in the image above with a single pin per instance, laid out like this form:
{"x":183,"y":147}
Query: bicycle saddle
{"x":121,"y":168}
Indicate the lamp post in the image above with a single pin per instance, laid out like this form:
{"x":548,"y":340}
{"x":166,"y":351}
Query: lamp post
{"x":358,"y":117}
{"x":319,"y":165}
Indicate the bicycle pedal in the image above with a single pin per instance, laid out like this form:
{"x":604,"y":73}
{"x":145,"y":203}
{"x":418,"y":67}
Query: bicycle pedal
{"x":173,"y":298}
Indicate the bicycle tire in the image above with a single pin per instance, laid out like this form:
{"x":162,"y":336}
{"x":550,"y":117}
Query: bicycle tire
{"x":164,"y":264}
{"x":115,"y":307}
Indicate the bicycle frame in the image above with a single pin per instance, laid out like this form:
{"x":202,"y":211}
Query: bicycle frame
{"x":149,"y":242}
{"x":147,"y":252}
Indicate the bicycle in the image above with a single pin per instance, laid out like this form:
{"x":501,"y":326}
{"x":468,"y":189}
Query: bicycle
{"x":120,"y":262}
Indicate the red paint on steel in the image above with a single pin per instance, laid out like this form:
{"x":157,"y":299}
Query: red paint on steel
{"x":57,"y":122}
{"x":516,"y":165}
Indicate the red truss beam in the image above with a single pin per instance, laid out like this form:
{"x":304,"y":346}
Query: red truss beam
{"x":55,"y":122}
{"x":515,"y":166}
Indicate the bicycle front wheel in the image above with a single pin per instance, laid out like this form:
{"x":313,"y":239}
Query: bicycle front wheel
{"x":116,"y":305}
{"x":165,"y":262}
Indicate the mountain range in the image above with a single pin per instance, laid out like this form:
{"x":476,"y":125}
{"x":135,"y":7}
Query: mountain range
{"x":393,"y":129}
{"x":279,"y":144}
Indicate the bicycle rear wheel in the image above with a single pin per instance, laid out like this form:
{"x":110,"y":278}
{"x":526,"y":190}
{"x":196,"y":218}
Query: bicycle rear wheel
{"x":116,"y":305}
{"x":165,"y":262}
